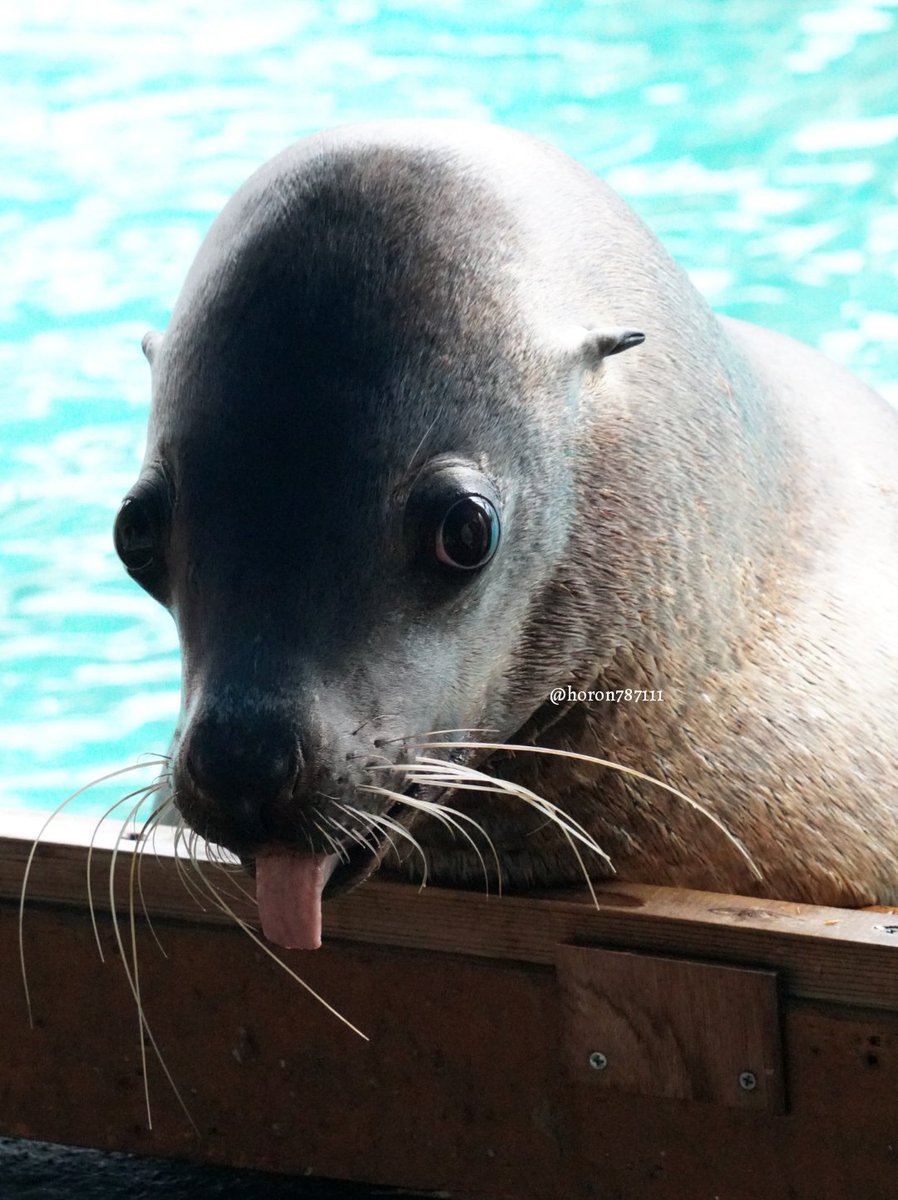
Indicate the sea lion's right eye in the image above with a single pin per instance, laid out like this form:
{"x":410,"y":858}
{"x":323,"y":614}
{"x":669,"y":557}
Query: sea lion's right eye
{"x":135,"y":536}
{"x":140,"y":534}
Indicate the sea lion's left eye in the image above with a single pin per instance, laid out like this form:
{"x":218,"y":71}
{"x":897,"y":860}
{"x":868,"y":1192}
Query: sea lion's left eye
{"x":468,"y":535}
{"x":453,"y":523}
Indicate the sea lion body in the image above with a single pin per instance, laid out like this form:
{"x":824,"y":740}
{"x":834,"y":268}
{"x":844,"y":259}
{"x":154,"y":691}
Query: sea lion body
{"x":389,"y":321}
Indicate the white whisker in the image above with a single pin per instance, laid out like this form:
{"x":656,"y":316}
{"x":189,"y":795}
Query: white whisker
{"x":250,"y":933}
{"x":369,"y":823}
{"x":344,"y":834}
{"x":233,"y":873}
{"x":569,"y":828}
{"x":450,"y":818}
{"x":388,"y":822}
{"x":30,"y":860}
{"x":149,"y":828}
{"x":178,"y":840}
{"x":341,"y":851}
{"x":612,"y":766}
{"x":134,"y":984}
{"x":408,"y":738}
{"x":143,"y":791}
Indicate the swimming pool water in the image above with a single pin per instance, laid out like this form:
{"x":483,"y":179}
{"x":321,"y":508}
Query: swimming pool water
{"x":759,"y":140}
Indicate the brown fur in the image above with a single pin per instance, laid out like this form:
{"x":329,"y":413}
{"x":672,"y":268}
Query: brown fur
{"x":748,"y":567}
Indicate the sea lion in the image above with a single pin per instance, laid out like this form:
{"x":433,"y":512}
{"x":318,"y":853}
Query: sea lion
{"x":439,"y":427}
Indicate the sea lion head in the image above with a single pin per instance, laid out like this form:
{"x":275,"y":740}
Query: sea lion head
{"x":356,"y":494}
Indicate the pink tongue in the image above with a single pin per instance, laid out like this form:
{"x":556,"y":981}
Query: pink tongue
{"x":288,"y":892}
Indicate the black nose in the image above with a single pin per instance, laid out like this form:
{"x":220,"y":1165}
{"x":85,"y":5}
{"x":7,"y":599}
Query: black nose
{"x":239,"y":775}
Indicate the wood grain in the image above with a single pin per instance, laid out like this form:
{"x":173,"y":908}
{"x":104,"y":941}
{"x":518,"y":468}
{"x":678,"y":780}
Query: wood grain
{"x":839,"y":955}
{"x":460,"y":1089}
{"x":648,"y":1025}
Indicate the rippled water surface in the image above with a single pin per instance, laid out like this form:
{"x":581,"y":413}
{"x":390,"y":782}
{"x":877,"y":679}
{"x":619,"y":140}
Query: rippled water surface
{"x":758,"y":139}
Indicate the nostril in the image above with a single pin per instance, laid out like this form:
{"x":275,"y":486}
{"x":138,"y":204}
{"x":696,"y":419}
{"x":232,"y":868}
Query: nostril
{"x":233,"y":764}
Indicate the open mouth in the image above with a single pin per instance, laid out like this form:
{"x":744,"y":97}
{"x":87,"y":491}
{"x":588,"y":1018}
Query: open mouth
{"x":291,"y":884}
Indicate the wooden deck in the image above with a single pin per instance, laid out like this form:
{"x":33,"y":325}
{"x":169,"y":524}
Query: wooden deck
{"x":671,"y":1044}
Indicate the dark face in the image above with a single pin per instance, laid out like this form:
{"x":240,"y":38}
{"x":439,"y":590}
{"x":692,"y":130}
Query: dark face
{"x":351,"y":503}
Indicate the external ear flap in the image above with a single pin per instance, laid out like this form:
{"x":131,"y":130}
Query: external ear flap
{"x":590,"y":343}
{"x":597,"y":344}
{"x":150,"y":344}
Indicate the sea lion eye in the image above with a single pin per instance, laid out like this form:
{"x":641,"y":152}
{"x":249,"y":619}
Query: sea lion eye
{"x":468,"y":535}
{"x":136,"y":535}
{"x":452,"y":522}
{"x":141,"y":532}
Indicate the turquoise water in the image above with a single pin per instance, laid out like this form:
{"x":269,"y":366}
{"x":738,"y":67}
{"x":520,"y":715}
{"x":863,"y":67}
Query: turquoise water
{"x":759,"y":140}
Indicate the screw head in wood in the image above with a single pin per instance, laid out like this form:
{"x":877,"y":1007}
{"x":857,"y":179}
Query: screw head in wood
{"x":748,"y":1081}
{"x":598,"y":1061}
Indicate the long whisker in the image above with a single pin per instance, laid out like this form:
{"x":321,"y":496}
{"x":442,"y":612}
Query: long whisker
{"x":389,"y":823}
{"x":147,"y":831}
{"x":135,"y":966}
{"x":187,"y":838}
{"x":341,"y":851}
{"x":451,"y":818}
{"x":264,"y":946}
{"x":365,"y":819}
{"x":402,"y":798}
{"x":613,"y":766}
{"x":437,"y":771}
{"x":216,"y":895}
{"x":214,"y":856}
{"x":91,"y":907}
{"x":352,"y":835}
{"x":133,"y":983}
{"x":166,"y":809}
{"x":431,"y":733}
{"x":146,"y":792}
{"x":43,"y":829}
{"x":181,"y":839}
{"x":232,"y":873}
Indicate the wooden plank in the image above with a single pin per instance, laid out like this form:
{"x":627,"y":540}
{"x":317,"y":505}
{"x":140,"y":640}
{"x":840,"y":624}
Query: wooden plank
{"x":647,"y":1025}
{"x":839,"y":955}
{"x":836,"y":1143}
{"x":460,"y":1089}
{"x":272,"y":1079}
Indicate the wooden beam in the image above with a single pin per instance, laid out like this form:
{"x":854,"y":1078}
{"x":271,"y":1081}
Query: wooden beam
{"x":472,"y":1080}
{"x":838,"y":955}
{"x":461,"y":1087}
